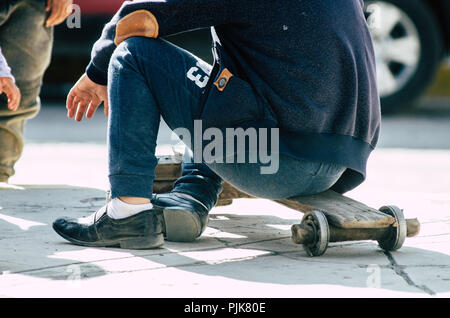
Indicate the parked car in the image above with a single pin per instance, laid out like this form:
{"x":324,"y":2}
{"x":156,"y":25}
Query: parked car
{"x":411,"y":38}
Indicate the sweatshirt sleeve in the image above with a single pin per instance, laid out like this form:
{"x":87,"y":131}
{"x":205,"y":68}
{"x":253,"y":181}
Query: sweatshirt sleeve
{"x":5,"y":70}
{"x":156,"y":18}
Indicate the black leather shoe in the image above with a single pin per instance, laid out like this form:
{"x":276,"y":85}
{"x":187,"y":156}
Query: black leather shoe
{"x":141,"y":231}
{"x":185,"y":219}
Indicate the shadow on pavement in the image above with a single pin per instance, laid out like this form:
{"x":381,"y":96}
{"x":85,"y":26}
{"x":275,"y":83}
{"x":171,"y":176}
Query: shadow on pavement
{"x":250,"y":245}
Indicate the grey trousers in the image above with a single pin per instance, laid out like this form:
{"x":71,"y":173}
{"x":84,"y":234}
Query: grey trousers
{"x":26,"y":43}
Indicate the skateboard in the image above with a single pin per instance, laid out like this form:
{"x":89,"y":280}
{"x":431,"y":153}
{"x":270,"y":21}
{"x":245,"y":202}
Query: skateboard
{"x":328,"y":216}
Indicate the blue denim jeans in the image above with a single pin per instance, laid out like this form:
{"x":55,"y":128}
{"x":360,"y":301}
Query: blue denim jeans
{"x":151,"y":78}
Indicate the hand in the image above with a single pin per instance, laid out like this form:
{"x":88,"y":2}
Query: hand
{"x":86,"y":94}
{"x":8,"y":87}
{"x":60,"y":9}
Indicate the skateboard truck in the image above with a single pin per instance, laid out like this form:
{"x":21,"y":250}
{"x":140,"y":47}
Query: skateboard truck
{"x":328,"y":216}
{"x":315,"y":232}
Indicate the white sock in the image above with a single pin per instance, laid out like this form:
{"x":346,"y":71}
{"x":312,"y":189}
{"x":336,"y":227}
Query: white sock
{"x":117,"y":209}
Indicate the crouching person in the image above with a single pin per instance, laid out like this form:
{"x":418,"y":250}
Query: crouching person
{"x":308,"y":79}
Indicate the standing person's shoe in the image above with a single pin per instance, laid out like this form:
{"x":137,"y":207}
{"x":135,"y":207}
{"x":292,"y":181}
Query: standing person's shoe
{"x":185,"y":218}
{"x":140,"y":231}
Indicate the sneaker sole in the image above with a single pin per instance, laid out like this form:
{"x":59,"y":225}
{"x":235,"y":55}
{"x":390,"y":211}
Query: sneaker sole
{"x":181,"y":225}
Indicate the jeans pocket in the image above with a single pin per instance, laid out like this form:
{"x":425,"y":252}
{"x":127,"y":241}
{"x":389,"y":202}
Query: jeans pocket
{"x":230,"y":101}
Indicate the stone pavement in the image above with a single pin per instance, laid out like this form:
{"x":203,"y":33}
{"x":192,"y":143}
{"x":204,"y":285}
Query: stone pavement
{"x":246,"y":250}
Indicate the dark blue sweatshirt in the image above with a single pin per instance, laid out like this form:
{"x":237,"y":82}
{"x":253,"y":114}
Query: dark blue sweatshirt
{"x":310,"y":61}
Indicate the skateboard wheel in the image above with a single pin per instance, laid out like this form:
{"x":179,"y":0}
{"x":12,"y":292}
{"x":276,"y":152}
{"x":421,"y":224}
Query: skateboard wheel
{"x":319,"y":223}
{"x":397,"y":235}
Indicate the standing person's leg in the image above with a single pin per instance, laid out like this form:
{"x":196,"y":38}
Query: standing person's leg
{"x":26,"y":44}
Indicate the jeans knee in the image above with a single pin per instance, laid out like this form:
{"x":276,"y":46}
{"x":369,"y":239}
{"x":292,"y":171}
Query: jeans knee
{"x":142,"y":46}
{"x":134,"y":52}
{"x":122,"y":53}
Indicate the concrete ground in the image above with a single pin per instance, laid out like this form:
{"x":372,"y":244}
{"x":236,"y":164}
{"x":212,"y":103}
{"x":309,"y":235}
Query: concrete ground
{"x":246,"y":250}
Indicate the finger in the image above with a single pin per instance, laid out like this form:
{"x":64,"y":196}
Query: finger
{"x":57,"y":10}
{"x":74,"y":93}
{"x":106,"y":107}
{"x":81,"y":110}
{"x":60,"y":19}
{"x":9,"y":96}
{"x":13,"y":98}
{"x":17,"y":97}
{"x":66,"y":11}
{"x":91,"y":110}
{"x":76,"y":97}
{"x":69,"y":100}
{"x":73,"y":108}
{"x":103,"y":95}
{"x":72,"y":111}
{"x":48,"y":6}
{"x":15,"y":102}
{"x":93,"y":107}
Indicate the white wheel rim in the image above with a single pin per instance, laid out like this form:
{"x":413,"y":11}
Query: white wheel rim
{"x":396,"y":242}
{"x":397,"y":45}
{"x":320,"y":224}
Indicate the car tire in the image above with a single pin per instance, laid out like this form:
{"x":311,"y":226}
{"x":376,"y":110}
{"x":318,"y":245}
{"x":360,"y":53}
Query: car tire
{"x":405,"y":95}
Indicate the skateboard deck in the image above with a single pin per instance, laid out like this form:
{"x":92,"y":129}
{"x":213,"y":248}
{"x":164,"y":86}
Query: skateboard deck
{"x":340,"y":210}
{"x":328,"y":216}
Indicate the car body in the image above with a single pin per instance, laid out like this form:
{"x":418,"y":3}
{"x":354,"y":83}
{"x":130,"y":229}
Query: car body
{"x":408,"y":54}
